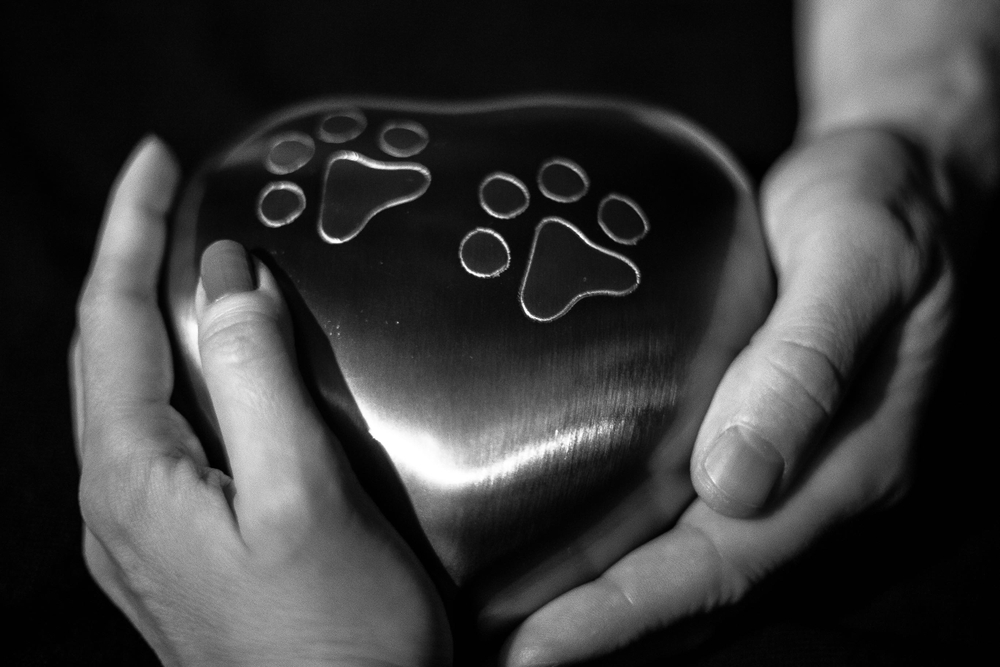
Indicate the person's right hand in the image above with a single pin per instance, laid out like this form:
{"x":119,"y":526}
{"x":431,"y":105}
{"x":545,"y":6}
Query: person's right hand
{"x":288,"y":561}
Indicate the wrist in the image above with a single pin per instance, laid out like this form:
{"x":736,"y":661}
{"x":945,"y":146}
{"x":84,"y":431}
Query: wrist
{"x":926,"y":70}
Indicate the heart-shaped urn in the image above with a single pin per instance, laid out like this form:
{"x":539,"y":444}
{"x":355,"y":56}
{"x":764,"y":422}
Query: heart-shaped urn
{"x":514,"y":314}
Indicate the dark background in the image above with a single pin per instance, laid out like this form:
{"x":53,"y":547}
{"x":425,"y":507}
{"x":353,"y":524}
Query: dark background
{"x":82,"y":83}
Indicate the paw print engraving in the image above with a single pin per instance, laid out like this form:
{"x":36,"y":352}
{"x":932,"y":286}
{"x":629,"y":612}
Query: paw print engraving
{"x":362,"y":173}
{"x":487,"y":340}
{"x":355,"y":187}
{"x":564,"y":265}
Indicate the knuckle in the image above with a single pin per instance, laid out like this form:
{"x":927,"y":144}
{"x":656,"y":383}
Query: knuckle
{"x":293,"y":515}
{"x":619,"y":596}
{"x":278,"y":533}
{"x":288,"y":506}
{"x":131,"y":509}
{"x":238,"y":336}
{"x":115,"y":501}
{"x":285,"y":506}
{"x":804,"y":369}
{"x":893,"y":238}
{"x":730,"y":576}
{"x":891,"y":257}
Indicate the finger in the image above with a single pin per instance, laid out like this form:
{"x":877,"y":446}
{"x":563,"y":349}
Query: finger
{"x":280,"y":450}
{"x":124,"y":352}
{"x":663,"y":581}
{"x":706,"y":561}
{"x":847,"y":265}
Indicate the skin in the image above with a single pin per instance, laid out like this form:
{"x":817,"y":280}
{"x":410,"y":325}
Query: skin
{"x":837,"y":238}
{"x":815,"y":420}
{"x":813,"y":423}
{"x":289,"y":561}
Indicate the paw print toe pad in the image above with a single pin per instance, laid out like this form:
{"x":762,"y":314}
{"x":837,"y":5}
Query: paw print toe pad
{"x":562,"y":180}
{"x":280,"y":203}
{"x":289,"y":152}
{"x":484,"y":253}
{"x":403,"y":138}
{"x":503,"y":196}
{"x":622,"y":219}
{"x":341,"y":126}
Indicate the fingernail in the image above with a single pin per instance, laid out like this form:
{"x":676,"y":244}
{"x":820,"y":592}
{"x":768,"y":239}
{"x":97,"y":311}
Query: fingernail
{"x":745,"y":467}
{"x":225,"y":270}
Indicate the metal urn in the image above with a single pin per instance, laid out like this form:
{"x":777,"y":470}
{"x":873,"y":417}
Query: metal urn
{"x":513,"y":314}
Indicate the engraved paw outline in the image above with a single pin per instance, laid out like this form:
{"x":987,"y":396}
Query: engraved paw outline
{"x":355,"y":187}
{"x":559,"y":179}
{"x":588,"y":269}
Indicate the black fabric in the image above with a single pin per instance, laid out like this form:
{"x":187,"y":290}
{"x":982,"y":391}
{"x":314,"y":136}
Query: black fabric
{"x":83,"y":82}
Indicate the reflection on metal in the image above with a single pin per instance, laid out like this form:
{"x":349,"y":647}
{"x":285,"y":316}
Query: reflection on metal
{"x":622,"y":219}
{"x":403,"y":138}
{"x":436,"y":462}
{"x":342,"y":125}
{"x":525,"y":457}
{"x":356,"y":188}
{"x":289,"y":152}
{"x":503,"y":195}
{"x":562,"y":180}
{"x":484,"y":253}
{"x":280,"y":203}
{"x":565,"y":266}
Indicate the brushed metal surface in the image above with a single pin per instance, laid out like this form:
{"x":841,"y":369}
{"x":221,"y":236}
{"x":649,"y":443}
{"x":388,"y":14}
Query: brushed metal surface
{"x":521,"y":402}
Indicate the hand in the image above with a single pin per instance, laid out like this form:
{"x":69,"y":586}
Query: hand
{"x":815,"y":420}
{"x":288,"y":561}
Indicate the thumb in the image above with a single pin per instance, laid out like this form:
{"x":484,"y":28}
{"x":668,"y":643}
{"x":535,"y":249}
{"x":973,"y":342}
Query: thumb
{"x":847,"y":263}
{"x":771,"y":406}
{"x":283,"y":458}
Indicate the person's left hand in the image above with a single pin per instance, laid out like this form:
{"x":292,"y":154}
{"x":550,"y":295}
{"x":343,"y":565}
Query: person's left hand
{"x":814,"y":422}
